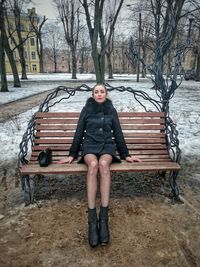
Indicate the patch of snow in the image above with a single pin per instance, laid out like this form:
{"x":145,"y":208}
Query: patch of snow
{"x":184,"y":110}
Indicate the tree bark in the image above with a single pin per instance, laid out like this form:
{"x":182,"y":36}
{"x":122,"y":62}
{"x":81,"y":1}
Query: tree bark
{"x":40,"y":54}
{"x":20,"y":47}
{"x":74,"y":62}
{"x":4,"y":84}
{"x":10,"y":56}
{"x":198,"y":67}
{"x":110,"y":68}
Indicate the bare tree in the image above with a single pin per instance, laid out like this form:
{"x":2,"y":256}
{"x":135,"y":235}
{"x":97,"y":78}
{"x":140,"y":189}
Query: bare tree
{"x":167,"y":50}
{"x":195,"y":34}
{"x":109,"y":15}
{"x":69,"y":12}
{"x":37,"y":29}
{"x":100,"y":34}
{"x":12,"y":62}
{"x":17,"y":8}
{"x":4,"y":85}
{"x":10,"y":34}
{"x":53,"y":42}
{"x":198,"y":56}
{"x":83,"y":50}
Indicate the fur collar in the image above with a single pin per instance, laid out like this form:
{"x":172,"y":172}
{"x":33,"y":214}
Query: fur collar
{"x":94,"y":107}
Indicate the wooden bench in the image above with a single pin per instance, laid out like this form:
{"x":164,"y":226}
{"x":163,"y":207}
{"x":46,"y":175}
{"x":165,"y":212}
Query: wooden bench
{"x":144,"y":133}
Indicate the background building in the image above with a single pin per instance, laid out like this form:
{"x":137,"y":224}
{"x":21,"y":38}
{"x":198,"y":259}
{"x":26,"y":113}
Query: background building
{"x":29,"y":41}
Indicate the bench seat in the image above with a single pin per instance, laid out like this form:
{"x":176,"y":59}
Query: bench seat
{"x":144,"y":134}
{"x":115,"y":167}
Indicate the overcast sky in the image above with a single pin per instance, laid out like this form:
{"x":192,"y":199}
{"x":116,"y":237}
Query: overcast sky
{"x":45,"y":8}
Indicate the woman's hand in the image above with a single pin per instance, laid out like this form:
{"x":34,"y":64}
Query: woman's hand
{"x":133,"y":159}
{"x":66,"y":160}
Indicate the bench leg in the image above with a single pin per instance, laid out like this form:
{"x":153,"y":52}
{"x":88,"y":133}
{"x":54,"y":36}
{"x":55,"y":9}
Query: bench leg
{"x":174,"y":188}
{"x":27,"y":187}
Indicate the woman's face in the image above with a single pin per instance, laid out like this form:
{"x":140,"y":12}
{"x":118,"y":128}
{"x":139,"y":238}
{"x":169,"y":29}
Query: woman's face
{"x":99,"y":94}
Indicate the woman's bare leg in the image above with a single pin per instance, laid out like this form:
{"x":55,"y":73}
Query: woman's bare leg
{"x":92,"y":163}
{"x":104,"y":169}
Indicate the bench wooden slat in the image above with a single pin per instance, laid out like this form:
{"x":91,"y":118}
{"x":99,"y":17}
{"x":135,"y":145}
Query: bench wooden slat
{"x":76,"y":114}
{"x":143,"y":160}
{"x":128,"y":141}
{"x":121,"y":167}
{"x":141,"y":114}
{"x":142,"y":157}
{"x":124,"y":127}
{"x":70,"y":121}
{"x":56,"y":114}
{"x":130,"y":146}
{"x":57,"y":152}
{"x":71,"y":134}
{"x":154,"y":148}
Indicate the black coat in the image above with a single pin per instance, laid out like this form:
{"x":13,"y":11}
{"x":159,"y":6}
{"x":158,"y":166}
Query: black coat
{"x":97,"y":124}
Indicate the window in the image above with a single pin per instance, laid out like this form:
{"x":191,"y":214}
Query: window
{"x":33,"y":55}
{"x":22,"y":27}
{"x":32,"y":41}
{"x":24,"y":41}
{"x":11,"y":27}
{"x":30,"y":28}
{"x":25,"y":54}
{"x":34,"y":67}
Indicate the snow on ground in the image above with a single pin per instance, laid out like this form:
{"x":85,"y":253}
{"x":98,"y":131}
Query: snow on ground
{"x":47,"y":82}
{"x":184,"y":110}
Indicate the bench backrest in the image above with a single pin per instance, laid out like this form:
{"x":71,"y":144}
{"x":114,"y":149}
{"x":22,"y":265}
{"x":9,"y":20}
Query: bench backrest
{"x":144,"y":133}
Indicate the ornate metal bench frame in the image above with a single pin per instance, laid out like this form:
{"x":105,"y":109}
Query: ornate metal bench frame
{"x":139,"y":96}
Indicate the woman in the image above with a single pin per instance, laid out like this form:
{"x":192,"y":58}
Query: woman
{"x":98,"y":122}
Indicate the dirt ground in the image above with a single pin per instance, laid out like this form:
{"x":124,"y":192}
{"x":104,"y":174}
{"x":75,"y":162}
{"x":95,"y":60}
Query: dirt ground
{"x":146,"y":229}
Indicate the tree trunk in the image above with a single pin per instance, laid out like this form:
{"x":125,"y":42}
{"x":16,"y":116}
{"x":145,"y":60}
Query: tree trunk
{"x":41,"y":58}
{"x":10,"y":56}
{"x":22,"y":61}
{"x":99,"y":65}
{"x":110,"y":68}
{"x":144,"y":58}
{"x":198,"y":67}
{"x":74,"y":62}
{"x":4,"y":84}
{"x":20,"y":47}
{"x":82,"y":60}
{"x":40,"y":52}
{"x":55,"y":60}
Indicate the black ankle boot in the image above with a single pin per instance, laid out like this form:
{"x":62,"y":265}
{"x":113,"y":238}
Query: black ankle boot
{"x":93,"y":231}
{"x":104,"y":234}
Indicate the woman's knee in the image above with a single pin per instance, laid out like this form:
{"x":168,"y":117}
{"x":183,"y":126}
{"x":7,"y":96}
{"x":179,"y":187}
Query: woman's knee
{"x":93,"y":166}
{"x":104,"y":166}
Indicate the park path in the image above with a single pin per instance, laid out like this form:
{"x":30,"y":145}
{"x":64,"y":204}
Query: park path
{"x":19,"y":106}
{"x":16,"y":107}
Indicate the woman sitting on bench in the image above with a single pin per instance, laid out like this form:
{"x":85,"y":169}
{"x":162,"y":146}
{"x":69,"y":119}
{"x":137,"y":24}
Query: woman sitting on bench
{"x":98,"y":122}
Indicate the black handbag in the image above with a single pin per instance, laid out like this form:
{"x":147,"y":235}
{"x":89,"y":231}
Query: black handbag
{"x":45,"y":157}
